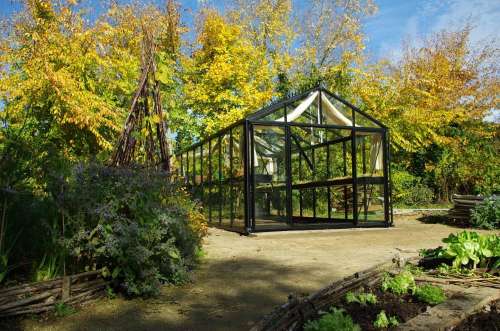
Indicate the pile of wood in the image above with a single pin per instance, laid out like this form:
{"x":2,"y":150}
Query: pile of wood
{"x":293,"y":314}
{"x":463,"y":205}
{"x":42,"y":296}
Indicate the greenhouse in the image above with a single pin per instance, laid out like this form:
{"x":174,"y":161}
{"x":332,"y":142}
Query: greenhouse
{"x":311,"y":161}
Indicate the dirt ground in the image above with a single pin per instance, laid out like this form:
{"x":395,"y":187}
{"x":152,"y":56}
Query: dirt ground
{"x":243,"y":278}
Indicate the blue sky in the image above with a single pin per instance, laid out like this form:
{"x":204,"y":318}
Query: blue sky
{"x":399,"y":20}
{"x":395,"y":21}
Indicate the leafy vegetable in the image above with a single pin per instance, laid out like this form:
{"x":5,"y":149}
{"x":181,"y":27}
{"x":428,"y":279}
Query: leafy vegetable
{"x":336,"y":320}
{"x":399,"y":284}
{"x":430,"y":294}
{"x":361,"y":298}
{"x":470,"y":249}
{"x":383,"y":322}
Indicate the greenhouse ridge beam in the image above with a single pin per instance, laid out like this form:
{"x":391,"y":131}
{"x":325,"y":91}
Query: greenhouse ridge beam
{"x":300,"y":162}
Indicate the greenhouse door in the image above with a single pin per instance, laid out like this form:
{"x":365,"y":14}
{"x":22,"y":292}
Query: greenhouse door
{"x":270,"y":176}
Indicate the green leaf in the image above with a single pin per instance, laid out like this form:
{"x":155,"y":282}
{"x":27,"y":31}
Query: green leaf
{"x":116,"y":272}
{"x":486,"y":252}
{"x":173,"y":253}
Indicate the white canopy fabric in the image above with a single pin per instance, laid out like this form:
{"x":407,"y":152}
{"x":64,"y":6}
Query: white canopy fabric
{"x":336,"y":117}
{"x":304,"y":105}
{"x":333,"y":115}
{"x":376,"y":154}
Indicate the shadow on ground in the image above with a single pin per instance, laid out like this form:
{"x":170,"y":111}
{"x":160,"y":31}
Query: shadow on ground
{"x":443,"y":219}
{"x":242,"y":291}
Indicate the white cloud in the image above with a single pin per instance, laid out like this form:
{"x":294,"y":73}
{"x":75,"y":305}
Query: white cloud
{"x":483,"y":14}
{"x":432,"y":16}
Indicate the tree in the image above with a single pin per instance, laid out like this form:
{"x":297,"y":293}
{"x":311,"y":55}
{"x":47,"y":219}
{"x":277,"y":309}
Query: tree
{"x":66,"y":85}
{"x":144,"y":135}
{"x":49,"y":69}
{"x":435,"y":101}
{"x":318,"y":41}
{"x":331,"y":42}
{"x":54,"y":103}
{"x":270,"y":26}
{"x":226,"y":76}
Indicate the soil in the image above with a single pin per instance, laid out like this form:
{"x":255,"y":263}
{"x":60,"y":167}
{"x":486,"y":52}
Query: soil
{"x":483,"y":321}
{"x":403,"y":307}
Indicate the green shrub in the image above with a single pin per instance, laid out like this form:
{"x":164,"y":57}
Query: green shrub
{"x":30,"y":233}
{"x":430,"y":294}
{"x":399,"y":284}
{"x":486,"y":215}
{"x":133,"y":223}
{"x":383,"y":322}
{"x":336,"y":320}
{"x":409,"y":190}
{"x":5,"y":261}
{"x":110,"y":294}
{"x":361,"y":298}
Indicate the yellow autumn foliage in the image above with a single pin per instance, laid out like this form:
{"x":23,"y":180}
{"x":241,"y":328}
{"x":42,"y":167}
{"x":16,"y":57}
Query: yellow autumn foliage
{"x":49,"y":60}
{"x":78,"y":77}
{"x":435,"y":87}
{"x":226,"y":76}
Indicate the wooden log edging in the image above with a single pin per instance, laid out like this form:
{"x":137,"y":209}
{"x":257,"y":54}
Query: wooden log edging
{"x":293,"y":314}
{"x":42,"y":296}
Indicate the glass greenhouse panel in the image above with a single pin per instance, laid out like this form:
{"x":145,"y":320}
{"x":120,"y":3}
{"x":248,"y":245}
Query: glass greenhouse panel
{"x":372,"y":204}
{"x":300,"y":163}
{"x":225,"y":185}
{"x":369,"y":154}
{"x":268,"y":157}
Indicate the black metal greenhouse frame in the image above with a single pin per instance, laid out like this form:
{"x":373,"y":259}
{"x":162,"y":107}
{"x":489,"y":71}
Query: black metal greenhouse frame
{"x":229,"y":186}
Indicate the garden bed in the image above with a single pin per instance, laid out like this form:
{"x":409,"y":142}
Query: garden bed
{"x":342,"y":303}
{"x":446,"y":287}
{"x":298,"y":310}
{"x":403,"y":308}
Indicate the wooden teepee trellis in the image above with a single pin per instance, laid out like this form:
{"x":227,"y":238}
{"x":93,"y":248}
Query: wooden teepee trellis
{"x":138,"y":139}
